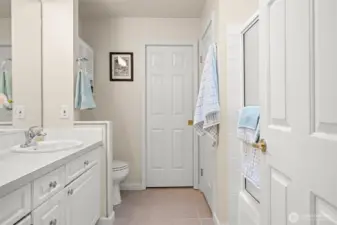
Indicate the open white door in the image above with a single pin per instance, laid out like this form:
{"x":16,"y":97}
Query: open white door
{"x":298,"y":69}
{"x":207,"y":152}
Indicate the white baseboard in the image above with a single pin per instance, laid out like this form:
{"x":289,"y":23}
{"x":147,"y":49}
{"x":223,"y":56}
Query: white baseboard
{"x":132,"y":187}
{"x":107,"y":220}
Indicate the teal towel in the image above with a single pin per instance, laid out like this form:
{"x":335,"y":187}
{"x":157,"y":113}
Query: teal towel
{"x":6,"y":86}
{"x":249,"y":117}
{"x":83,"y":97}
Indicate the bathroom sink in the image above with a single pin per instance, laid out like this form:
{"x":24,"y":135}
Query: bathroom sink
{"x":49,"y":146}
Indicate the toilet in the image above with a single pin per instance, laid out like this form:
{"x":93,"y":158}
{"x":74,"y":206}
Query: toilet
{"x":119,"y":173}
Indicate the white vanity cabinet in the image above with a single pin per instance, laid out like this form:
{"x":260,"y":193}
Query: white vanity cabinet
{"x":69,"y":195}
{"x":83,"y":200}
{"x":48,"y":185}
{"x":51,"y":212}
{"x":15,"y":206}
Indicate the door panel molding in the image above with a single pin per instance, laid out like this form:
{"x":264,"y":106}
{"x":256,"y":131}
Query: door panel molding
{"x":277,"y":84}
{"x":177,"y":108}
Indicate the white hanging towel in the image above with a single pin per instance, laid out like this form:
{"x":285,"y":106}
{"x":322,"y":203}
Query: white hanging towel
{"x":207,"y":111}
{"x":248,"y":131}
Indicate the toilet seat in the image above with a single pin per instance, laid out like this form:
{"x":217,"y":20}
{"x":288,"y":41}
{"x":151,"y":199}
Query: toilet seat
{"x":119,"y":165}
{"x":120,"y":171}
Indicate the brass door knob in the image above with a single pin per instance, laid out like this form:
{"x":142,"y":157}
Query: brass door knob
{"x":262,"y":145}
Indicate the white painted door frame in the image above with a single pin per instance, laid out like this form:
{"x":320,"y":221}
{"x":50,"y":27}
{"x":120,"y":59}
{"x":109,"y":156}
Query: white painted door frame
{"x":248,"y":205}
{"x":144,"y":111}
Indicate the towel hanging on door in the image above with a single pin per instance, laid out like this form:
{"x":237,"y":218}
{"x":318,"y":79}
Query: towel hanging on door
{"x":248,"y":131}
{"x":207,"y":112}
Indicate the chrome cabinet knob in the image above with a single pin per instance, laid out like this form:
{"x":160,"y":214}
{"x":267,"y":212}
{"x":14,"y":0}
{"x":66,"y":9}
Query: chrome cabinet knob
{"x":53,"y":222}
{"x":70,"y":191}
{"x":53,"y":184}
{"x":86,"y":163}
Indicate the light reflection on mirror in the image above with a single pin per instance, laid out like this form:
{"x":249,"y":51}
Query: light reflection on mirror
{"x":6,"y":97}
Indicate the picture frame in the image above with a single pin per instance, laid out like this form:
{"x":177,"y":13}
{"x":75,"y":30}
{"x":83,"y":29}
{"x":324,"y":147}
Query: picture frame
{"x":121,"y":66}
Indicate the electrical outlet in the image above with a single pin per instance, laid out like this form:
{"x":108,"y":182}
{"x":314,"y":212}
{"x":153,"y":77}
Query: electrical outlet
{"x":19,"y":112}
{"x":64,"y":112}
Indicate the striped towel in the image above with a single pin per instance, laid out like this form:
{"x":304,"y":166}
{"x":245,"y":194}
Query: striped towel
{"x":207,"y":112}
{"x":248,"y":131}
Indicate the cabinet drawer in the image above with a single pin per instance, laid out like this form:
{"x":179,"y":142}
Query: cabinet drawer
{"x":77,"y":167}
{"x":25,"y":221}
{"x":48,"y":185}
{"x":15,"y":206}
{"x":51,"y":212}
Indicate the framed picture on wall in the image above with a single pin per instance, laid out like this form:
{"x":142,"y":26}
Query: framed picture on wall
{"x":121,"y":66}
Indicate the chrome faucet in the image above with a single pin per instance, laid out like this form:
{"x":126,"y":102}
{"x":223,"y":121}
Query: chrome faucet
{"x":32,"y":132}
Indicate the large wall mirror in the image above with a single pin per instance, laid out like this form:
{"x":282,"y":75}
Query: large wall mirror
{"x":6,"y":109}
{"x":20,"y":64}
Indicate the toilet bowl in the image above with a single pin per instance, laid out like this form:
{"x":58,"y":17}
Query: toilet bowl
{"x":119,"y":173}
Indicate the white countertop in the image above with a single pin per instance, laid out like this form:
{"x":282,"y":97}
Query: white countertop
{"x":19,"y":169}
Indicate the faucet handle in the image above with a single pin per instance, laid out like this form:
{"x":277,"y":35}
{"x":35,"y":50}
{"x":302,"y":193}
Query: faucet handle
{"x":41,"y":133}
{"x":36,"y":131}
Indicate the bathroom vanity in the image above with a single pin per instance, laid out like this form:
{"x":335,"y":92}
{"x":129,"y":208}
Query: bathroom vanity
{"x":57,"y":188}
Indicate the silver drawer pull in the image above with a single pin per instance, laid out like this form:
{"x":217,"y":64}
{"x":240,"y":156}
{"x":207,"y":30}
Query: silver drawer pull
{"x":53,"y":222}
{"x":86,"y":163}
{"x":53,"y":184}
{"x":70,"y":191}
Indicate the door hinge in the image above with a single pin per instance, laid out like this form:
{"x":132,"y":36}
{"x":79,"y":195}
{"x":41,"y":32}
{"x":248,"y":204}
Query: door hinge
{"x":200,"y":59}
{"x":202,"y":172}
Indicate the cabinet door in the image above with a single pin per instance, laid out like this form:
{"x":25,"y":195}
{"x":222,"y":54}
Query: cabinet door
{"x":83,"y":202}
{"x":51,"y":212}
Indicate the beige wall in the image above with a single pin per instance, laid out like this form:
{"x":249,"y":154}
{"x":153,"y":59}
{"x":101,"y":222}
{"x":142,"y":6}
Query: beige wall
{"x":123,"y":102}
{"x":26,"y":65}
{"x":59,"y":54}
{"x":227,"y":12}
{"x":5,"y":31}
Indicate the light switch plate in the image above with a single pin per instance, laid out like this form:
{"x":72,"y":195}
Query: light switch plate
{"x":19,"y":112}
{"x":64,"y":112}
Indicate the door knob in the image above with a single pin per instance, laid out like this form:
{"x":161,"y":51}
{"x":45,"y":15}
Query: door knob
{"x":262,"y":145}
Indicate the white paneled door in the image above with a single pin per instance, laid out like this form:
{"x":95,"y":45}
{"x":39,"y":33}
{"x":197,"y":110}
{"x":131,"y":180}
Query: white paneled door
{"x":298,"y":69}
{"x":169,"y":108}
{"x":207,"y":152}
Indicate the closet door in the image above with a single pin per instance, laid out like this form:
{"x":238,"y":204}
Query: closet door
{"x":169,"y":109}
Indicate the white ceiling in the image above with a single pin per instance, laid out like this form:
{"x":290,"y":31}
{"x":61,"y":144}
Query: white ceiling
{"x":141,"y":8}
{"x":130,"y":8}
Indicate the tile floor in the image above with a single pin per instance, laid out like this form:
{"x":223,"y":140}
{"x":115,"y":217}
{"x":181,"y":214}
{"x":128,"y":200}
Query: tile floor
{"x":163,"y":206}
